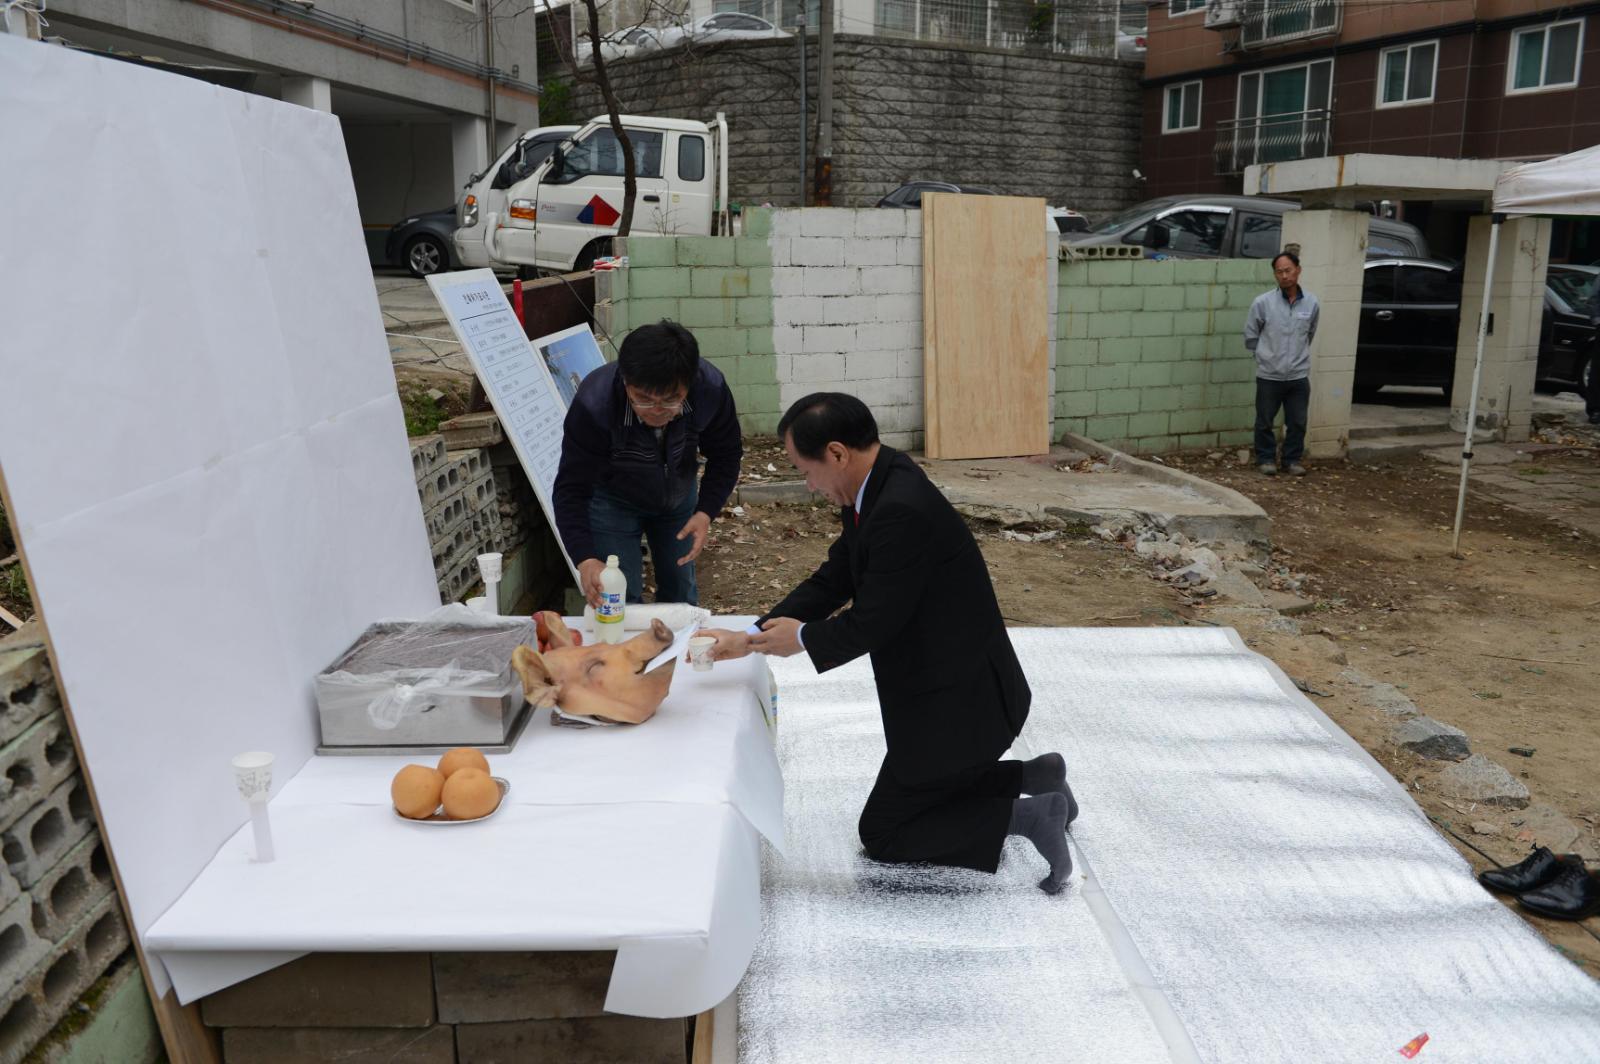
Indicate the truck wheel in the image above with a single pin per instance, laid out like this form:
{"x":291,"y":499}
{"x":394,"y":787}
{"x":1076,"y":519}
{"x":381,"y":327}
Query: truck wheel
{"x":591,"y":251}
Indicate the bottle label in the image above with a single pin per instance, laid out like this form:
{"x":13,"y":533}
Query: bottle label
{"x":610,"y":611}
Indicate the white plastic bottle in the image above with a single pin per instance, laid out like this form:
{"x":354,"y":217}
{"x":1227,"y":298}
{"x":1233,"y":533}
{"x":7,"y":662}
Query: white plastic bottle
{"x":613,"y":597}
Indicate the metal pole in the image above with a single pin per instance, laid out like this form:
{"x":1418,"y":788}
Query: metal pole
{"x":824,"y":186}
{"x":800,"y":35}
{"x":488,"y":62}
{"x":1477,"y":375}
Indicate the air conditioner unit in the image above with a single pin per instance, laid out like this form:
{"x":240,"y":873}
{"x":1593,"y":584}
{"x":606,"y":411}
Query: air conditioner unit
{"x":1220,"y":14}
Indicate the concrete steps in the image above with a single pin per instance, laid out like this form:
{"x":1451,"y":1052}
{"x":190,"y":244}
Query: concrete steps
{"x":1377,"y":448}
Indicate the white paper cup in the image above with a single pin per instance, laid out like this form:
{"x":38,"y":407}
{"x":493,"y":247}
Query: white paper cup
{"x":489,"y":567}
{"x":253,"y":773}
{"x":478,"y":604}
{"x":700,"y":652}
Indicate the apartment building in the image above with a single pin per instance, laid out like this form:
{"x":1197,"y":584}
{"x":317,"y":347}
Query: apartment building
{"x":1230,"y":83}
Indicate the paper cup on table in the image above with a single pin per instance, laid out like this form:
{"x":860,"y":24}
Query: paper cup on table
{"x":253,"y":774}
{"x":700,"y":652}
{"x":490,"y":566}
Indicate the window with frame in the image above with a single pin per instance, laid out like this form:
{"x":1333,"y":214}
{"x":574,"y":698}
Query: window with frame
{"x":1283,"y":114}
{"x":1545,"y":57}
{"x":1190,"y":232}
{"x":1406,"y":75}
{"x":600,"y":155}
{"x":1259,"y":235}
{"x":1182,"y":108}
{"x":1184,"y":7}
{"x":691,"y":157}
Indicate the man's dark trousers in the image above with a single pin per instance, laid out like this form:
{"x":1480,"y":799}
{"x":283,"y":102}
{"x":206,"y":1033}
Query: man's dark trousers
{"x":1295,"y":399}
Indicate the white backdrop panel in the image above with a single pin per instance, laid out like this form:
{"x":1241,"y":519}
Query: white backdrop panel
{"x":203,"y":444}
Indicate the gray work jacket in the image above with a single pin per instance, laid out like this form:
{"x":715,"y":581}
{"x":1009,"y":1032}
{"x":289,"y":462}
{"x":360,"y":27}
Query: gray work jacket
{"x":1280,"y":334}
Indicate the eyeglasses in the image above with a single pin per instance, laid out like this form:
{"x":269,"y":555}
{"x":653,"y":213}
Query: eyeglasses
{"x":644,"y":403}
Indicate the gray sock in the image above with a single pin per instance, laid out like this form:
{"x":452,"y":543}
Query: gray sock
{"x":1042,"y":820}
{"x":1047,"y":773}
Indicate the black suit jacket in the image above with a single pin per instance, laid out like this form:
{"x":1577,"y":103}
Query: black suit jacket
{"x":952,"y":692}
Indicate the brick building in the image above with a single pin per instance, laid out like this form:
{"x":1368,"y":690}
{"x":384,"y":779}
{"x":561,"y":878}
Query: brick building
{"x":1230,"y":83}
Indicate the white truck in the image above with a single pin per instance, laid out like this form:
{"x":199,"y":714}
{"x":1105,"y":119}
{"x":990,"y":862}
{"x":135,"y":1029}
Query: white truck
{"x":485,"y":193}
{"x":560,"y":214}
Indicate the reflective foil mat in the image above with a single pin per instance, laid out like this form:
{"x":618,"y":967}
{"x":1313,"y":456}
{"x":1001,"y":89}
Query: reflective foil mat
{"x":1281,"y":892}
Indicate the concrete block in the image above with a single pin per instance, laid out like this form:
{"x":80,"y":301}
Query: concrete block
{"x":705,"y":251}
{"x":1081,"y":299}
{"x":877,"y":253}
{"x":1192,"y":323}
{"x":719,"y":283}
{"x":889,"y":336}
{"x":480,"y":492}
{"x":756,"y":221}
{"x":749,"y":251}
{"x":1194,"y":271}
{"x":1153,"y":323}
{"x":1202,"y":297}
{"x":1106,"y":429}
{"x":1103,"y":378}
{"x":827,"y":221}
{"x":596,"y":1040}
{"x":650,"y":311}
{"x":1117,"y":401}
{"x":880,"y":222}
{"x":481,"y":429}
{"x":799,"y":310}
{"x":664,"y":282}
{"x":760,"y":280}
{"x":788,"y":339}
{"x":1165,"y":297}
{"x":910,"y":364}
{"x":21,"y":945}
{"x":45,"y":833}
{"x":645,"y":251}
{"x":723,"y":343}
{"x":1074,"y":326}
{"x":332,"y":1045}
{"x":77,"y":883}
{"x":1078,"y":352}
{"x":1074,"y":404}
{"x":905,"y":307}
{"x":1161,"y":348}
{"x":35,"y":1003}
{"x":27,"y":684}
{"x":844,"y":281}
{"x":34,"y":764}
{"x":1203,"y":439}
{"x":1150,"y":375}
{"x":789,"y":280}
{"x":1143,"y":425}
{"x":443,"y":519}
{"x":908,"y":249}
{"x":818,"y":369}
{"x":1478,"y":779}
{"x":330,"y":990}
{"x":1109,"y":324}
{"x":1160,"y":399}
{"x":497,"y":987}
{"x":817,"y":251}
{"x":847,"y":310}
{"x":826,"y":338}
{"x":1105,"y":274}
{"x":1252,"y":271}
{"x":1186,"y":421}
{"x":120,"y":1029}
{"x":781,"y":248}
{"x":761,"y":341}
{"x":1120,"y":349}
{"x":1154,"y":272}
{"x":1121,"y":298}
{"x":1072,"y":275}
{"x":1187,"y":372}
{"x":426,"y":453}
{"x":756,"y":310}
{"x":871,"y":365}
{"x":696,"y":313}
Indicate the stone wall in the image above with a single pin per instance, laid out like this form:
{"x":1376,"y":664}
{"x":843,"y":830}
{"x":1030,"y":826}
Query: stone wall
{"x":1061,"y":127}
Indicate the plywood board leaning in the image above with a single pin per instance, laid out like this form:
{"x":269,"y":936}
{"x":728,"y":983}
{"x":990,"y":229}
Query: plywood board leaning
{"x":985,"y":326}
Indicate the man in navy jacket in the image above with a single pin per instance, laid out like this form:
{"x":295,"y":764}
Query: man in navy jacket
{"x":629,"y":457}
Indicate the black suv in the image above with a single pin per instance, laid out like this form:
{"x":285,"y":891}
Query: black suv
{"x":1411,"y":315}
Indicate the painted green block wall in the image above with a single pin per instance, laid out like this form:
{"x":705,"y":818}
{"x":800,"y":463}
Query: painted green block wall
{"x":720,"y":288}
{"x":1150,"y":355}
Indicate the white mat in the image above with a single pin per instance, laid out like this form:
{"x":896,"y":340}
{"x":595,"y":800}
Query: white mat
{"x":1289,"y":899}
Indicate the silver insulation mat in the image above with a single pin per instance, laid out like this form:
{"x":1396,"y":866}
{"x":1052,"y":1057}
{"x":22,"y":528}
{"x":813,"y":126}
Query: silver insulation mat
{"x":1282,"y":893}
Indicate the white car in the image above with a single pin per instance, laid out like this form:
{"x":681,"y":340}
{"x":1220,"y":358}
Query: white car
{"x":1131,"y":43}
{"x":724,"y":26}
{"x":622,"y":44}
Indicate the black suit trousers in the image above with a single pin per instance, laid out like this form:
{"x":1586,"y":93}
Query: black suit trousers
{"x":959,"y":820}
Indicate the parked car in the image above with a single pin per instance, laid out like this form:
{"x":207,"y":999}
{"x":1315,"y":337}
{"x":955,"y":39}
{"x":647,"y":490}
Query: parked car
{"x":423,"y":242}
{"x":909,"y":195}
{"x":1068,"y":221}
{"x":723,"y":26}
{"x":1411,"y":317}
{"x":1131,"y":42}
{"x":624,"y":44}
{"x":1249,"y":227}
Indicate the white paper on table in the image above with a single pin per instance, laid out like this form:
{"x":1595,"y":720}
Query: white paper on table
{"x":679,"y":647}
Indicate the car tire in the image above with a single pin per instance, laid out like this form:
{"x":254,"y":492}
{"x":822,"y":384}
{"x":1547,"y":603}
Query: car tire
{"x":425,"y":255}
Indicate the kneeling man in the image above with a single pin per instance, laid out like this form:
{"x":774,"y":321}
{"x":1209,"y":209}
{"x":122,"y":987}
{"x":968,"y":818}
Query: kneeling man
{"x":950,"y":688}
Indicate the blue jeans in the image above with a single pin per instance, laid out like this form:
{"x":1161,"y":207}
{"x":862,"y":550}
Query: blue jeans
{"x":1295,"y":398}
{"x":617,"y":526}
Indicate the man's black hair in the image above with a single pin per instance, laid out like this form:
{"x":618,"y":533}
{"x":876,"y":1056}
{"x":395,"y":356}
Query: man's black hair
{"x":1291,"y":256}
{"x":822,"y":418}
{"x":658,"y":359}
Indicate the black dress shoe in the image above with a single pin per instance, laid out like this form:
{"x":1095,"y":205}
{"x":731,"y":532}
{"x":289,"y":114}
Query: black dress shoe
{"x":1575,"y":895}
{"x":1533,"y":871}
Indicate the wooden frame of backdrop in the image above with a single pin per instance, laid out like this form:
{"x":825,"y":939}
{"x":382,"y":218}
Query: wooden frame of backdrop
{"x":985,"y":326}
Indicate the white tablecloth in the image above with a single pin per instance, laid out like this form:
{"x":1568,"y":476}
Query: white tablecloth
{"x":642,"y":840}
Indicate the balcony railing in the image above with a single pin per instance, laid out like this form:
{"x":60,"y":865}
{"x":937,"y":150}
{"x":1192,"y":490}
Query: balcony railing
{"x":1242,"y":142}
{"x":1270,"y":22}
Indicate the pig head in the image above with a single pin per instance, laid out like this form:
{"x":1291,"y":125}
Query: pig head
{"x":603,"y":680}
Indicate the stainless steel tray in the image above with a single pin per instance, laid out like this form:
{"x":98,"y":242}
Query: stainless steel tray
{"x":438,"y":819}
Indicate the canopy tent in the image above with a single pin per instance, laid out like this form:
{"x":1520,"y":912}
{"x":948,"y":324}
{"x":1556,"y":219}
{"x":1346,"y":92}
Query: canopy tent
{"x":1566,"y":185}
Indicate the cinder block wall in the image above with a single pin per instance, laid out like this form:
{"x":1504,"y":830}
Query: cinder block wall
{"x":62,"y":937}
{"x":1150,"y":355}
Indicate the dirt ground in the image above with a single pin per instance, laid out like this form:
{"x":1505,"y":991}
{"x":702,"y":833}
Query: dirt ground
{"x":1500,"y":644}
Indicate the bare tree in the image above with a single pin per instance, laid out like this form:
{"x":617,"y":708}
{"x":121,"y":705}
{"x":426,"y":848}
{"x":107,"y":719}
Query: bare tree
{"x":602,"y":80}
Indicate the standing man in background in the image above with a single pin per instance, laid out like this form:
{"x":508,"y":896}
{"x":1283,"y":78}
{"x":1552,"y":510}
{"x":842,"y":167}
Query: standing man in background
{"x":1278,"y":331}
{"x":629,"y":455}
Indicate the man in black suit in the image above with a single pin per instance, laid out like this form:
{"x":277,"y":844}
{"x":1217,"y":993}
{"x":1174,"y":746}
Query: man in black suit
{"x":952,"y":693}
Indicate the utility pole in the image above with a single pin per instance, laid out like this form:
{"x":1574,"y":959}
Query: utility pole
{"x":800,"y":35}
{"x":488,"y":62}
{"x":824,"y":186}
